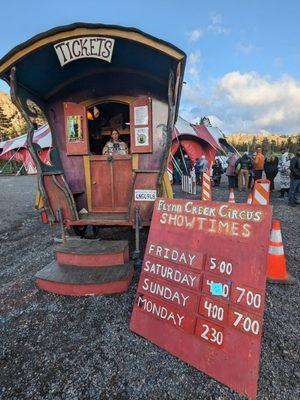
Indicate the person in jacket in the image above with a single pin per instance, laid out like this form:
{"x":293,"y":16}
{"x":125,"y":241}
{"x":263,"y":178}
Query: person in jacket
{"x":217,"y":172}
{"x":271,"y":168}
{"x":258,"y":164}
{"x":243,"y":165}
{"x":295,"y":179}
{"x":188,"y":166}
{"x":203,"y":166}
{"x":284,"y":172}
{"x":197,"y":170}
{"x":230,"y":170}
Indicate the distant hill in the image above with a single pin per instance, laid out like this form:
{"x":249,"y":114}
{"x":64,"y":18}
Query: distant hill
{"x":11,"y":122}
{"x":250,"y":141}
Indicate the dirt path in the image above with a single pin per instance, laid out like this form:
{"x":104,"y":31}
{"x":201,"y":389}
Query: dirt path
{"x":55,"y":347}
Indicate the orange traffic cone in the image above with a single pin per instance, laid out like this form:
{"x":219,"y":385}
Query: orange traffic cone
{"x":249,"y":200}
{"x":231,"y":196}
{"x":277,"y":272}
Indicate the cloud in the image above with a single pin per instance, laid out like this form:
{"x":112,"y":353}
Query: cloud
{"x":216,"y":25}
{"x":195,"y":35}
{"x":193,"y":64}
{"x":247,"y":101}
{"x":244,"y":48}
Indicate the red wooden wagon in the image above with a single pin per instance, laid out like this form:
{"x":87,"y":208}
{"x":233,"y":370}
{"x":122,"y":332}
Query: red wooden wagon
{"x":90,"y":80}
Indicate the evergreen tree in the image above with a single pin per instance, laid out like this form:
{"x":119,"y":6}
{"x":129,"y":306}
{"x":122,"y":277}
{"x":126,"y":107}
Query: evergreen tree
{"x":4,"y":125}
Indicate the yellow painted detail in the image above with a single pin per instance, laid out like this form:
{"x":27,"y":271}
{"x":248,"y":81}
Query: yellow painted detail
{"x":166,"y":186}
{"x":135,"y":161}
{"x":87,"y":174}
{"x":38,"y":201}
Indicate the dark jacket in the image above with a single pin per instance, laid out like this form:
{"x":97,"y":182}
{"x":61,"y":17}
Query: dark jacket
{"x":295,"y":167}
{"x":217,"y":169}
{"x":271,"y":166}
{"x":245,"y":162}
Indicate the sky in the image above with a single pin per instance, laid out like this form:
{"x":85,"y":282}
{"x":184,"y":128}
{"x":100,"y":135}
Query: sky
{"x":243,"y":57}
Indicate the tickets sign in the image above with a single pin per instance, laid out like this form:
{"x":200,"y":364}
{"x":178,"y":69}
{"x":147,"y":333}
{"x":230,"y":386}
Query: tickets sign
{"x":201,"y":292}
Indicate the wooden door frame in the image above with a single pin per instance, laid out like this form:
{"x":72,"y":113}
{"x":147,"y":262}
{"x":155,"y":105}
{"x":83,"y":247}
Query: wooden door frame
{"x":86,"y":159}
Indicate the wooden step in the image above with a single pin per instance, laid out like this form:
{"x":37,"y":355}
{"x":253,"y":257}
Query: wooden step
{"x":83,"y":281}
{"x":92,"y":253}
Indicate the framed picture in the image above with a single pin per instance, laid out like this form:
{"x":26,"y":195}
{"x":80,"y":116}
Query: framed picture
{"x":74,"y":128}
{"x":76,"y":132}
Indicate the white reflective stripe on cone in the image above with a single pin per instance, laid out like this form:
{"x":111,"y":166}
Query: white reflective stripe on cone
{"x":276,"y":251}
{"x":276,"y":236}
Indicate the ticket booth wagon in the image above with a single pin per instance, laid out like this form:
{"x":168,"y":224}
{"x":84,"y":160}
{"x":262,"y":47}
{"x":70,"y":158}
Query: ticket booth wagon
{"x":110,"y":95}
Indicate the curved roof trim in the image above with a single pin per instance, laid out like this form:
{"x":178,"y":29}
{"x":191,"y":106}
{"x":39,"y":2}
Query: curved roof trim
{"x":78,"y":29}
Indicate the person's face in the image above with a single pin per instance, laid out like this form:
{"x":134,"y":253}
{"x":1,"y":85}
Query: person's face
{"x":115,"y":136}
{"x":282,"y":151}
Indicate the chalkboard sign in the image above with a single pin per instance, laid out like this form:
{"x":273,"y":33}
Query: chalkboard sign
{"x":201,"y":292}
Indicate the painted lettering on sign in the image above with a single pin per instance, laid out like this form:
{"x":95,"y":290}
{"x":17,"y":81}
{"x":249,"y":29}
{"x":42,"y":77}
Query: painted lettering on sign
{"x":169,"y":292}
{"x":84,"y":47}
{"x":210,"y":280}
{"x":192,"y":259}
{"x":209,"y":332}
{"x":246,"y":296}
{"x":245,"y":322}
{"x":172,"y":274}
{"x":213,"y":309}
{"x":166,"y":312}
{"x":144,"y":195}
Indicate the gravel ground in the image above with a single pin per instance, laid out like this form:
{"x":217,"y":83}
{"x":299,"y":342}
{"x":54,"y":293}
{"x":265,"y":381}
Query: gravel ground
{"x":55,"y":347}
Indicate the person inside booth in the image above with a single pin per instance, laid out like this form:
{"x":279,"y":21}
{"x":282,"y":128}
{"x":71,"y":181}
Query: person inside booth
{"x":115,"y":145}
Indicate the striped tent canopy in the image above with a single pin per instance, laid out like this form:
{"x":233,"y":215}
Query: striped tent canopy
{"x":42,"y":136}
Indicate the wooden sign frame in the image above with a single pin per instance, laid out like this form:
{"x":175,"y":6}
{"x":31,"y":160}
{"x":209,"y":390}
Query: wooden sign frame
{"x":75,"y":114}
{"x":141,"y":130}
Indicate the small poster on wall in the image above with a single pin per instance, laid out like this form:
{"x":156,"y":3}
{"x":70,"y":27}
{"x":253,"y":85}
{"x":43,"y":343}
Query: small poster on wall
{"x":74,"y":128}
{"x":141,"y":136}
{"x":141,"y":115}
{"x":141,"y":125}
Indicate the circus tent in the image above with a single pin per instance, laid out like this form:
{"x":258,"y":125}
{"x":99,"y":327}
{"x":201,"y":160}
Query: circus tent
{"x":16,"y":149}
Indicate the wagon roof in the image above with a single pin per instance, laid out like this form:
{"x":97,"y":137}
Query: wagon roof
{"x":135,"y":52}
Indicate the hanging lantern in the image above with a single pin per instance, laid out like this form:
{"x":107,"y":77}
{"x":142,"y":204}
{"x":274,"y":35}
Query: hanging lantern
{"x":89,"y":116}
{"x":96,"y":112}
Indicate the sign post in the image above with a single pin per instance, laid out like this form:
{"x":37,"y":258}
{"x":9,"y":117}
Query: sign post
{"x":202,"y":287}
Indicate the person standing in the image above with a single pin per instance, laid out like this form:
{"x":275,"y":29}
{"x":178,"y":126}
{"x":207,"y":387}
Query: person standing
{"x":295,"y":179}
{"x":203,"y":166}
{"x":187,"y":165}
{"x":258,"y":164}
{"x":217,"y":172}
{"x":271,"y":168}
{"x":284,"y":172}
{"x":197,"y":170}
{"x":243,"y":165}
{"x":230,"y":170}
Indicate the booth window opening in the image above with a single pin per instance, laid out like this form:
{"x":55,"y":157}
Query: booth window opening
{"x":103,"y":119}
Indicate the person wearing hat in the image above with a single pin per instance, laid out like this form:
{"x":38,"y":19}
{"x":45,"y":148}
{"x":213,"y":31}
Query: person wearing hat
{"x":243,"y":166}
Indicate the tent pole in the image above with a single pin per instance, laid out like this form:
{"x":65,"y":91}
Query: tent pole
{"x":9,"y":160}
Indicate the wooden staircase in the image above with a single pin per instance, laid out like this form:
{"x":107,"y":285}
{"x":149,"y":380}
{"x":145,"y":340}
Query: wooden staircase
{"x":88,"y":267}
